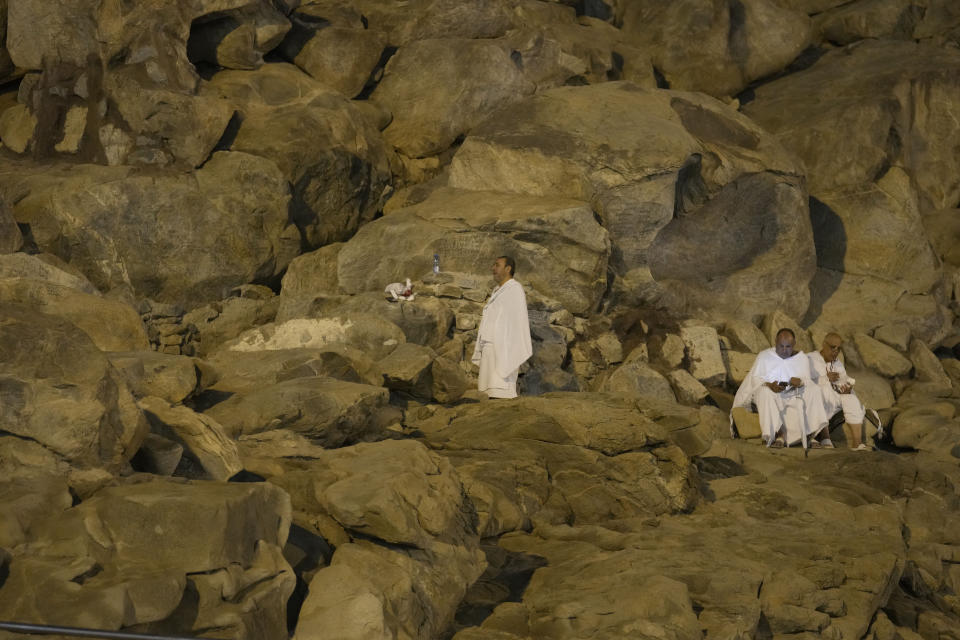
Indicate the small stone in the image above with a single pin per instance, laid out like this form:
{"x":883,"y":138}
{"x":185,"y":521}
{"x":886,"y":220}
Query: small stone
{"x":562,"y":318}
{"x":466,"y":322}
{"x":73,"y":126}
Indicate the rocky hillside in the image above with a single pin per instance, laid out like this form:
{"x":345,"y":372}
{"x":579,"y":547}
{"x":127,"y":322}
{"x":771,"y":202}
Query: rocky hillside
{"x":213,"y":423}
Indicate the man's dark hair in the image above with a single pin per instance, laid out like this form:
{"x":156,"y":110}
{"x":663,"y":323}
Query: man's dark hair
{"x":786,"y":330}
{"x":508,"y":261}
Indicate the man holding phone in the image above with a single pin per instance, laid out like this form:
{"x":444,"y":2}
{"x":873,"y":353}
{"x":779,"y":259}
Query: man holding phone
{"x":789,"y":405}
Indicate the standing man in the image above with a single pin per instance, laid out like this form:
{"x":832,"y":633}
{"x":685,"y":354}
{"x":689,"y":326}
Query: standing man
{"x":837,"y":387}
{"x":789,"y":405}
{"x":503,"y":340}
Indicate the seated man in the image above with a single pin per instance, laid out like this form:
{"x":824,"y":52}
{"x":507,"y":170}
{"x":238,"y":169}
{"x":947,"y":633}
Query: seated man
{"x":828,"y":372}
{"x":789,"y":405}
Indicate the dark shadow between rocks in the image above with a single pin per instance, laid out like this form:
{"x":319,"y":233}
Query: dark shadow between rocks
{"x":830,"y":242}
{"x":506,"y":579}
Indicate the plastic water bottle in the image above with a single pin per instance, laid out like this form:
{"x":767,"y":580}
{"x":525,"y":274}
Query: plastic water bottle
{"x":436,"y":263}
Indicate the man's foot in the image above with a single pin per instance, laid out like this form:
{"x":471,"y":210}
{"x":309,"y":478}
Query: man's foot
{"x":827,"y":443}
{"x":815,"y":445}
{"x":777,"y":444}
{"x":862,"y":447}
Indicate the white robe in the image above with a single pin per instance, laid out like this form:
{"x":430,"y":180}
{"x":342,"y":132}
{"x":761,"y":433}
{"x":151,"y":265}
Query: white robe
{"x":503,"y":340}
{"x":833,"y":401}
{"x":800,"y":411}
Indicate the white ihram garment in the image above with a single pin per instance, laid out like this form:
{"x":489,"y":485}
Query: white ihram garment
{"x":503,"y":340}
{"x":833,"y":401}
{"x":800,"y":410}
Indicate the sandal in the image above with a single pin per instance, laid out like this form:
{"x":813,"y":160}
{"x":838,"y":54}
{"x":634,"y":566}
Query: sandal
{"x":827,"y":443}
{"x":862,"y":447}
{"x":777,"y":444}
{"x":815,"y":445}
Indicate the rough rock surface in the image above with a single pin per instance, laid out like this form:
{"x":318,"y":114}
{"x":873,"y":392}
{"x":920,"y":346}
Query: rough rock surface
{"x":661,"y":183}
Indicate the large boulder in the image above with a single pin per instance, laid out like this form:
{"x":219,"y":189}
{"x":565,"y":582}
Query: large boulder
{"x":152,"y":233}
{"x":340,"y":178}
{"x":111,"y":324}
{"x":873,"y":171}
{"x":61,"y":392}
{"x":133,"y":554}
{"x":330,"y":412}
{"x":559,"y":248}
{"x":464,"y":80}
{"x":413,"y":545}
{"x":716,"y":46}
{"x":706,"y":212}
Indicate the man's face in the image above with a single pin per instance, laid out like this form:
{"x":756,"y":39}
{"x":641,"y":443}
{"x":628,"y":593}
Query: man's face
{"x":831,"y":348}
{"x":500,"y":270}
{"x":784,"y":345}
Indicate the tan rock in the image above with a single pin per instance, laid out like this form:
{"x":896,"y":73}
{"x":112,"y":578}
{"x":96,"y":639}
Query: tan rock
{"x":669,"y":350}
{"x":702,"y":351}
{"x":17,"y":126}
{"x":44,"y":267}
{"x":408,"y":369}
{"x":278,"y":102}
{"x":560,"y":249}
{"x":338,"y":57}
{"x":873,"y":389}
{"x":881,"y":358}
{"x":696,"y":47}
{"x":928,"y":427}
{"x":243,"y":196}
{"x":777,"y":320}
{"x":894,"y":335}
{"x":738,"y":365}
{"x":531,"y":148}
{"x":328,"y":411}
{"x":687,"y":388}
{"x":745,"y":336}
{"x":148,"y":373}
{"x":204,"y":440}
{"x":10,"y":237}
{"x":449,"y":380}
{"x":143,"y":541}
{"x":464,"y":79}
{"x":636,"y":379}
{"x":371,"y":334}
{"x":926,"y":365}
